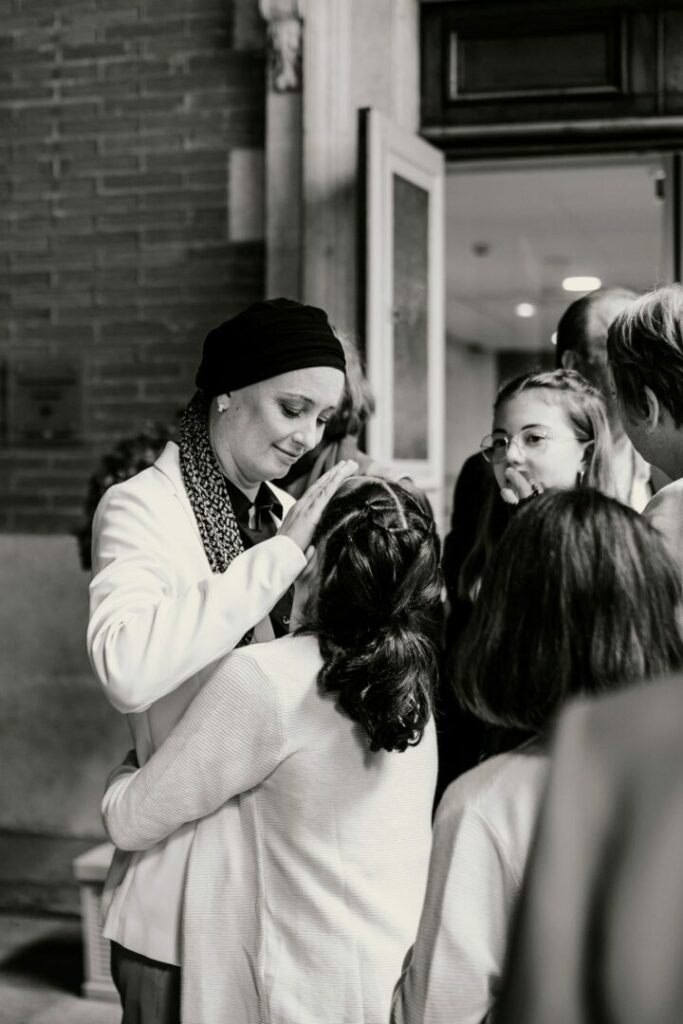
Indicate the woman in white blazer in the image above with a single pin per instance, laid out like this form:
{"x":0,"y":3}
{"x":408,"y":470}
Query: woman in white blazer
{"x":313,"y":762}
{"x":191,"y":558}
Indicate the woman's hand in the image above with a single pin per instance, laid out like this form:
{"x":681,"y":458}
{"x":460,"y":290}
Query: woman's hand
{"x":303,"y":517}
{"x":518,"y":487}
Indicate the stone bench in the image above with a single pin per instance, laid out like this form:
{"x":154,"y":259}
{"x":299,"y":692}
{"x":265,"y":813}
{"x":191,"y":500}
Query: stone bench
{"x":90,"y":870}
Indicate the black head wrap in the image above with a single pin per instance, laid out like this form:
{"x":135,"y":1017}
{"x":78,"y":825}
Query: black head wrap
{"x":265,"y":340}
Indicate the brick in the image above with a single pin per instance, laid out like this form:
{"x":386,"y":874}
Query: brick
{"x":193,"y":160}
{"x":208,"y":197}
{"x":213,"y":176}
{"x":75,"y":149}
{"x":40,"y":169}
{"x":160,"y":7}
{"x":30,"y":279}
{"x":110,"y":204}
{"x":126,"y":373}
{"x":73,"y":187}
{"x":168,"y":272}
{"x":164,"y":142}
{"x":68,"y":505}
{"x":67,"y":126}
{"x":124,"y":70}
{"x":95,"y":87}
{"x":140,"y":219}
{"x":18,"y":460}
{"x":118,"y":411}
{"x":14,"y":501}
{"x":72,"y":226}
{"x":169,"y":104}
{"x":97,"y":165}
{"x":30,"y":124}
{"x":110,"y":6}
{"x":169,"y":26}
{"x":67,"y":74}
{"x":22,"y":58}
{"x":101,"y":281}
{"x":173,"y":80}
{"x":48,"y":521}
{"x":25,"y":95}
{"x":168,"y":46}
{"x":70,"y":460}
{"x":98,"y":51}
{"x":63,"y":336}
{"x":21,"y":248}
{"x":174,"y":236}
{"x":175,"y":392}
{"x":141,"y":182}
{"x":50,"y":483}
{"x":248,"y":27}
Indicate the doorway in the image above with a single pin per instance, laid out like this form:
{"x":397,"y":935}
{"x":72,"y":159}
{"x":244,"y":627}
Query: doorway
{"x":517,"y":233}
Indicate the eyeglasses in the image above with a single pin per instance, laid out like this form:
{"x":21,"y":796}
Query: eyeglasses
{"x":530,"y":441}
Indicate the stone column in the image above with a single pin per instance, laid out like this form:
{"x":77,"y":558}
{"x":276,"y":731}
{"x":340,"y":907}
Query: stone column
{"x":357,"y":53}
{"x":327,"y":59}
{"x":329,"y":161}
{"x":284,"y":146}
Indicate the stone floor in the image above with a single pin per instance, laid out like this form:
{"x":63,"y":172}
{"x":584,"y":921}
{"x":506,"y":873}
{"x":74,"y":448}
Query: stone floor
{"x":41,"y":972}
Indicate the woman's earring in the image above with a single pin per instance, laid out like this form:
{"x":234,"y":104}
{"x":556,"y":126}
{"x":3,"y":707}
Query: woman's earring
{"x":222,"y":403}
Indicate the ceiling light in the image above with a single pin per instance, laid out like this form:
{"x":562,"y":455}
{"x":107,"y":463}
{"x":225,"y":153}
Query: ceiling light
{"x":525,"y":309}
{"x":581,"y":284}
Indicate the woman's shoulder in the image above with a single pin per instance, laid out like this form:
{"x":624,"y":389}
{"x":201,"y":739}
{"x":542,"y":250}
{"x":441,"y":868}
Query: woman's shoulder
{"x":287,"y":662}
{"x":503,"y":788}
{"x":271,"y":676}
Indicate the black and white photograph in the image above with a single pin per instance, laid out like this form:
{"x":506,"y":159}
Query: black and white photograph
{"x":341,"y":512}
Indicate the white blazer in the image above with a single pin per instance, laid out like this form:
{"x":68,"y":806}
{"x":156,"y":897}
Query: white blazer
{"x":159,"y":621}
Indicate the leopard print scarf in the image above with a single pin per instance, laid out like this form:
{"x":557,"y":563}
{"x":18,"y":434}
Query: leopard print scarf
{"x":205,"y":486}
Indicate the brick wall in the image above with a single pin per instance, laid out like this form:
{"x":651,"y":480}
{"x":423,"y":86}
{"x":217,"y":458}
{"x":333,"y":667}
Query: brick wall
{"x":117,"y":121}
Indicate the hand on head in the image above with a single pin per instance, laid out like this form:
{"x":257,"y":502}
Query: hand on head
{"x":303,"y":517}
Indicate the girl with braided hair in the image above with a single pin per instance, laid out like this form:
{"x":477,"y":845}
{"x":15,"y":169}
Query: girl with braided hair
{"x":311,"y":762}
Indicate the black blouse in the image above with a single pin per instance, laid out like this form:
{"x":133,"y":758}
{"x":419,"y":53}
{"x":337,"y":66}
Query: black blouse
{"x":256,"y":523}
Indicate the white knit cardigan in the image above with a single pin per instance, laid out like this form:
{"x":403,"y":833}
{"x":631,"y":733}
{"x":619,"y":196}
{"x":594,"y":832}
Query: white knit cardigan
{"x":308,"y":870}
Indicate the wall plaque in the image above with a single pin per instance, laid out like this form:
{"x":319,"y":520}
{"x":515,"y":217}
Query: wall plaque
{"x":44,"y":400}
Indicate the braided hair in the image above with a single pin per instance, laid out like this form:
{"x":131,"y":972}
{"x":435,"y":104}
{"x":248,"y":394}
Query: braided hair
{"x":376,"y":609}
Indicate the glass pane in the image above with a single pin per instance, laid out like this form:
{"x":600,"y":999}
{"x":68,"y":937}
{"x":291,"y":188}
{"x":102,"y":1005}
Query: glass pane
{"x":410,"y":256}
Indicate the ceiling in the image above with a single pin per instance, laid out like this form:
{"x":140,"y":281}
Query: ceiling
{"x":514,"y":232}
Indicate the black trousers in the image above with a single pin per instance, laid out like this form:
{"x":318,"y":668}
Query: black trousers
{"x":149,"y":990}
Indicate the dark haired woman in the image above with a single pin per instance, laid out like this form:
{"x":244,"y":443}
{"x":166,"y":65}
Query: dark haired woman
{"x":311,"y":761}
{"x":580,"y":598}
